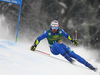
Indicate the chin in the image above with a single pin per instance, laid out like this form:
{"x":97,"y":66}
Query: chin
{"x":54,"y":31}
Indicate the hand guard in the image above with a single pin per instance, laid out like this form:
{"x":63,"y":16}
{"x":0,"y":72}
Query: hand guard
{"x":75,"y":42}
{"x":33,"y":48}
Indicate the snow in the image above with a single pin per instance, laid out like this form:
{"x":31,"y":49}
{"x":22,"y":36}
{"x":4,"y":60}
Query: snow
{"x":99,"y":6}
{"x":63,"y":4}
{"x":18,"y":59}
{"x":3,"y":26}
{"x":62,"y":11}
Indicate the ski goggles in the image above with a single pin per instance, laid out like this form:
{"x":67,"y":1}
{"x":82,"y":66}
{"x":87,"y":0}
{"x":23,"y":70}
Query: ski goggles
{"x":54,"y":27}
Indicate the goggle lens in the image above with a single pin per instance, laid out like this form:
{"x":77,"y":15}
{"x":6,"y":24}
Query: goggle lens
{"x":55,"y":28}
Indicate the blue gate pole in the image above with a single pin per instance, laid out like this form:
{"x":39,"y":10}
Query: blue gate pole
{"x":18,"y":22}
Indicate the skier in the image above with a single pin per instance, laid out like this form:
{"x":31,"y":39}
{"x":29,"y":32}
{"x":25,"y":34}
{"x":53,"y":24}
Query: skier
{"x":54,"y":35}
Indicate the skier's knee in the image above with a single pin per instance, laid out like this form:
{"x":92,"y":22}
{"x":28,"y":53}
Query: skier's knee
{"x":54,"y":51}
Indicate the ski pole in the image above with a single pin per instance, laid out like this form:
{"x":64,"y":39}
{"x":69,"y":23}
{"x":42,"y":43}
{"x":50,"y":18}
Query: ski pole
{"x":42,"y":52}
{"x":76,"y":34}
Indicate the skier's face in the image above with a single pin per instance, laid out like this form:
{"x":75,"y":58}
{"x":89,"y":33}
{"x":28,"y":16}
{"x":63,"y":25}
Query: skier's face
{"x":54,"y":29}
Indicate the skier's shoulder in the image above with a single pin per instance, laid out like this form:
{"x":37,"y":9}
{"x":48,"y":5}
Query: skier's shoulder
{"x":48,"y":30}
{"x":45,"y":32}
{"x":62,"y":30}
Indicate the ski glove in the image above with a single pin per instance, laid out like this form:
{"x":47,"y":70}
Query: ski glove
{"x":33,"y":47}
{"x":75,"y":42}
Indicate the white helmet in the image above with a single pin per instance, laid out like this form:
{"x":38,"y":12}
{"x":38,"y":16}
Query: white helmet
{"x":55,"y":23}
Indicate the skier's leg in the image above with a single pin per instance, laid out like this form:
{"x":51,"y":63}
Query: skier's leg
{"x":72,"y":54}
{"x":81,"y":60}
{"x":77,"y":57}
{"x":56,"y":48}
{"x":54,"y":51}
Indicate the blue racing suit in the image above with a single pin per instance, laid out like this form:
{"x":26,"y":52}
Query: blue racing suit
{"x":60,"y":48}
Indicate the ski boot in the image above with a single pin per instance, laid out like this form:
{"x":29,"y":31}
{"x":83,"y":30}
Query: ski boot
{"x":92,"y":68}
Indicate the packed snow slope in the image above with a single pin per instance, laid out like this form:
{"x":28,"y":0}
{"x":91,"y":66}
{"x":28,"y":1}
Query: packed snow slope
{"x":17,"y":59}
